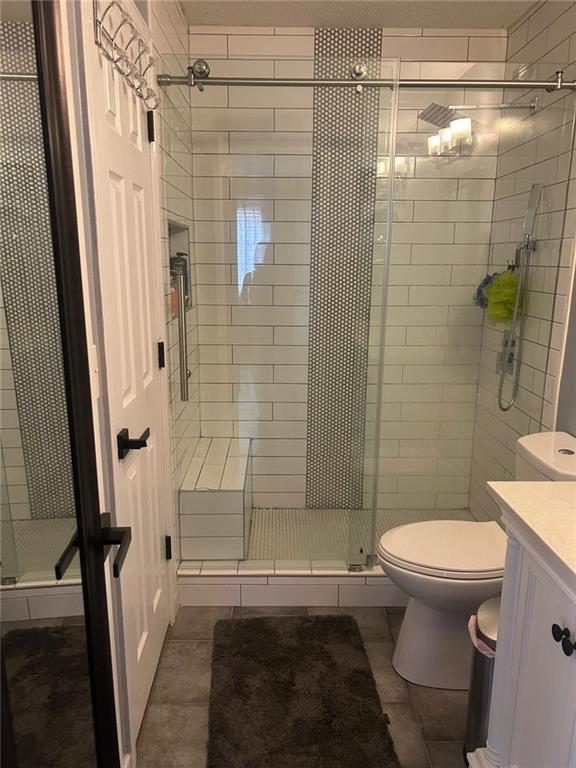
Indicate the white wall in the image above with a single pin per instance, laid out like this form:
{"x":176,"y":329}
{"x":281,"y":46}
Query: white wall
{"x":170,"y":37}
{"x":252,"y":185}
{"x":533,"y":148}
{"x":440,"y":239}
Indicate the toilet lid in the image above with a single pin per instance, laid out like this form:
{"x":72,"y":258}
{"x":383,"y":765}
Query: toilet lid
{"x":455,"y":549}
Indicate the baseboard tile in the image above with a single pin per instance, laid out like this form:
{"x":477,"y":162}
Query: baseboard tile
{"x":41,"y":602}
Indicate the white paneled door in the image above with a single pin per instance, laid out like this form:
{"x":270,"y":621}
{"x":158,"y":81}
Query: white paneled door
{"x":127,"y":219}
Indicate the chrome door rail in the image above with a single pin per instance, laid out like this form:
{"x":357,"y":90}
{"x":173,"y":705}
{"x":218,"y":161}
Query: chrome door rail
{"x":16,"y":76}
{"x":199,"y":76}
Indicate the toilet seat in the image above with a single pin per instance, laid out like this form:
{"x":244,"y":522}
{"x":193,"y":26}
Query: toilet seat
{"x":448,"y":549}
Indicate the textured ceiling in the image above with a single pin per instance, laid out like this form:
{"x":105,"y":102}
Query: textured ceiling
{"x":475,"y":14}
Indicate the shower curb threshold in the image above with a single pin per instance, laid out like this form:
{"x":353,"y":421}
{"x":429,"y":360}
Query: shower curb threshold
{"x":199,"y":585}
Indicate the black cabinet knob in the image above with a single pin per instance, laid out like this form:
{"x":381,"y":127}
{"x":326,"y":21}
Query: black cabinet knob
{"x":568,"y":646}
{"x":562,"y":635}
{"x":558,"y":633}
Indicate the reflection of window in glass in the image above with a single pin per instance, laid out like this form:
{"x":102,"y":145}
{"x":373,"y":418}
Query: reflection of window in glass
{"x":249,"y":234}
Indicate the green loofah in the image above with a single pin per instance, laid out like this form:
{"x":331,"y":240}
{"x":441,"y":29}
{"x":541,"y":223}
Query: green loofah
{"x":500,"y":294}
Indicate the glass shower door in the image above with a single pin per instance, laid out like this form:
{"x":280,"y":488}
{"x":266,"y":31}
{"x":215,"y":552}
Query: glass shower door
{"x":291,"y":208}
{"x":444,"y":189}
{"x":460,"y":209}
{"x":37,"y":477}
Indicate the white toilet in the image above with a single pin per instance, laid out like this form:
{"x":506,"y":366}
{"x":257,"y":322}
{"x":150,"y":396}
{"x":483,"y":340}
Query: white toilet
{"x":449,"y":567}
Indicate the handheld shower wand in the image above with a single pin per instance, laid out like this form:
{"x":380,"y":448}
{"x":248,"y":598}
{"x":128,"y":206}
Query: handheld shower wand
{"x":513,"y":340}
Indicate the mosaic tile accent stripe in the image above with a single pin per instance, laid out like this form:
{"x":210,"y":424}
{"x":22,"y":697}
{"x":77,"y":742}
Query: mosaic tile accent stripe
{"x":29,"y":285}
{"x":345,"y":148}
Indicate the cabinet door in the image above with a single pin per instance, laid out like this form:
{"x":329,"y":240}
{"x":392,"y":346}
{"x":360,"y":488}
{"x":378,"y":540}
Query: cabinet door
{"x":545,"y":704}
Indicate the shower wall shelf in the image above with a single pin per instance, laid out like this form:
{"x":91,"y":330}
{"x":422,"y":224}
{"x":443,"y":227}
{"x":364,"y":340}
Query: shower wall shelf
{"x":117,"y":37}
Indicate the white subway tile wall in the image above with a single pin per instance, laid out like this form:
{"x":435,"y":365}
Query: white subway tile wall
{"x":252,"y":185}
{"x":252,"y":156}
{"x":171,"y":44}
{"x":440,"y":245}
{"x":533,"y":148}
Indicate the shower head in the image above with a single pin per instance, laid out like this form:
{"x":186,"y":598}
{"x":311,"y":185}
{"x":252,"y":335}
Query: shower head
{"x":437,"y":115}
{"x":531,"y":208}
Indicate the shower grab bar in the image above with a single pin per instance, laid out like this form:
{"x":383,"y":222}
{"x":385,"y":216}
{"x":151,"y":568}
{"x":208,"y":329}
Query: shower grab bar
{"x":182,"y":335}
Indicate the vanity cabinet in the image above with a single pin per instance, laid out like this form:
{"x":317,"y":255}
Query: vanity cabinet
{"x":533,"y":707}
{"x":542,"y":732}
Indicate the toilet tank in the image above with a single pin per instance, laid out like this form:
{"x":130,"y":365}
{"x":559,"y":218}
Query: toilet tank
{"x":546,"y":456}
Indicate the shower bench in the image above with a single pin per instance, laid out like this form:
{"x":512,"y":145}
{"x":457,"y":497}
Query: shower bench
{"x":216,"y":500}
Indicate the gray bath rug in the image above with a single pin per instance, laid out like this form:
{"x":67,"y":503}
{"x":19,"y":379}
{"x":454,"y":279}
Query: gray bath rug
{"x":295,"y":692}
{"x":49,"y":689}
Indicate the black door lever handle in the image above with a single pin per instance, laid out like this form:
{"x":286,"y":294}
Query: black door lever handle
{"x":127,"y":443}
{"x":115,"y":536}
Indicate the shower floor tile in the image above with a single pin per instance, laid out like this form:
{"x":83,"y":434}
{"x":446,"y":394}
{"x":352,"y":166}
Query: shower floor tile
{"x":311,"y":542}
{"x":38,"y":545}
{"x":330,"y":538}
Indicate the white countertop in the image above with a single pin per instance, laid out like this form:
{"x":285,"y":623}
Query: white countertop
{"x":547,"y":510}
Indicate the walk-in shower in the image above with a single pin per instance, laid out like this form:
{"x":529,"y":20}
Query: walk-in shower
{"x":352,"y":358}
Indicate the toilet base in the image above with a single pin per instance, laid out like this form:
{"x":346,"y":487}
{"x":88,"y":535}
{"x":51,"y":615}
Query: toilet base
{"x":434,"y":648}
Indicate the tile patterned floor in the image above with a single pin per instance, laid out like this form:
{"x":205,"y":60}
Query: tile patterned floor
{"x":34,"y":546}
{"x":427,"y":725}
{"x":329,"y":534}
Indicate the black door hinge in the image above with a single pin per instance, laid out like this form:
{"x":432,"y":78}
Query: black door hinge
{"x":150,"y":124}
{"x":161,"y":355}
{"x":168,"y":545}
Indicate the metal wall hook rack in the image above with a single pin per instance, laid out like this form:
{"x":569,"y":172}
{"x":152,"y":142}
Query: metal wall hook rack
{"x":117,"y":37}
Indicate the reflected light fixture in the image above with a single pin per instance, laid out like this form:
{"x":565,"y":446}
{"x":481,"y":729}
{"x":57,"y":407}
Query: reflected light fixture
{"x":446,"y":140}
{"x":453,"y":139}
{"x":434,"y":144}
{"x":461,"y":129}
